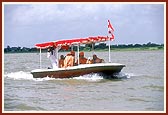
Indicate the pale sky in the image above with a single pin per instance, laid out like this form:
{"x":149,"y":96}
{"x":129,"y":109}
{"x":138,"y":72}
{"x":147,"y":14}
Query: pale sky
{"x":28,"y":24}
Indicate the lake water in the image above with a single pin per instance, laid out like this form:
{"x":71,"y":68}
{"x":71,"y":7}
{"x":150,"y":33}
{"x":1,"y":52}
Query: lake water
{"x":139,"y":87}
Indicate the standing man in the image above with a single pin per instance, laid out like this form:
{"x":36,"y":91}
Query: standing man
{"x":52,"y":57}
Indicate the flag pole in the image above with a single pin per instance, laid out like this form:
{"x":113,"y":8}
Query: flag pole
{"x":109,"y":42}
{"x":110,"y":30}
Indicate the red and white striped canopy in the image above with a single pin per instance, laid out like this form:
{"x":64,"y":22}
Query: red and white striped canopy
{"x":74,"y":41}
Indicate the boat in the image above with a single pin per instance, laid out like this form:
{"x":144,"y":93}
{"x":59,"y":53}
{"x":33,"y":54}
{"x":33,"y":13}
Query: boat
{"x":108,"y":68}
{"x":75,"y":71}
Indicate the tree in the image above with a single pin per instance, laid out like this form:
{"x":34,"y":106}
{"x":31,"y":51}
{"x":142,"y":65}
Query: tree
{"x":8,"y":48}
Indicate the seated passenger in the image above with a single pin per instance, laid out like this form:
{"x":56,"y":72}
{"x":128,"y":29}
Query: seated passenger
{"x":97,"y":60}
{"x":69,"y":59}
{"x":61,"y":61}
{"x":89,"y":61}
{"x":82,"y":59}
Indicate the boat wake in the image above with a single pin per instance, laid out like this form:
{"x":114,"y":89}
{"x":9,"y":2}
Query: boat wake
{"x":24,"y":76}
{"x":88,"y":77}
{"x":18,"y":75}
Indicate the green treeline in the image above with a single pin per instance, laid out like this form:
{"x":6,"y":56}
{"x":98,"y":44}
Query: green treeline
{"x":89,"y":47}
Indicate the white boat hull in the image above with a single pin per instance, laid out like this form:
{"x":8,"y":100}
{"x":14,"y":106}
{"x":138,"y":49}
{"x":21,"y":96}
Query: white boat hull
{"x":75,"y":71}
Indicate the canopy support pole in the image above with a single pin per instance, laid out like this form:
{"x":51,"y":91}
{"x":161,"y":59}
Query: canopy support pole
{"x":109,"y":51}
{"x":78,"y":54}
{"x":71,"y":47}
{"x":57,"y":57}
{"x":92,"y":48}
{"x":40,"y":58}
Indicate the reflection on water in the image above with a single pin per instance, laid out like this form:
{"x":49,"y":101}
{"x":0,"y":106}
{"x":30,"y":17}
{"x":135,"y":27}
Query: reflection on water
{"x":138,"y":87}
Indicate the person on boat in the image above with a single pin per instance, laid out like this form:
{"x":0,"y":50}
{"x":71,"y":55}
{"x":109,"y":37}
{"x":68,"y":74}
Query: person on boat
{"x":61,"y":61}
{"x":82,"y":59}
{"x":89,"y":61}
{"x":96,"y":59}
{"x":52,"y":57}
{"x":69,"y":59}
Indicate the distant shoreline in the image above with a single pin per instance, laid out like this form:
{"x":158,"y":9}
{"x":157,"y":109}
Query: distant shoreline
{"x":88,"y":47}
{"x":137,"y":49}
{"x":102,"y":50}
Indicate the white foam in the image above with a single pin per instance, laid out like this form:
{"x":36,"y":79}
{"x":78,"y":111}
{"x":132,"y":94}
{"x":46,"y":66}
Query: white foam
{"x":126,"y":75}
{"x":28,"y":76}
{"x":129,"y":75}
{"x":19,"y":75}
{"x":90,"y":77}
{"x":24,"y":76}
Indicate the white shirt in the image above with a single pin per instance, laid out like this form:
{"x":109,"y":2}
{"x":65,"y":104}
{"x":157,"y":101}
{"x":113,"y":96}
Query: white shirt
{"x":52,"y":58}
